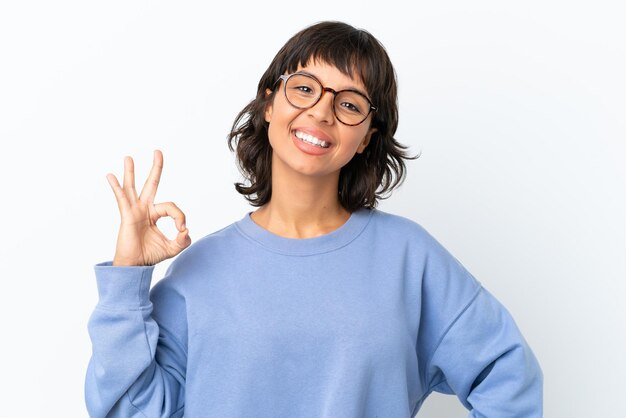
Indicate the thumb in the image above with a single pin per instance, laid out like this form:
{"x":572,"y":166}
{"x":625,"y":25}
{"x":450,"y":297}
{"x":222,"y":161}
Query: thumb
{"x":182,"y":240}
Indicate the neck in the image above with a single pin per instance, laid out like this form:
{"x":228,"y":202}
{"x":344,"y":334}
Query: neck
{"x":302,"y":206}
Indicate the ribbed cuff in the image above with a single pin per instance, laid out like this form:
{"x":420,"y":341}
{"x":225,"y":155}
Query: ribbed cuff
{"x":123,"y":286}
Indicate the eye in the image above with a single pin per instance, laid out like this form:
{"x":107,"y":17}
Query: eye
{"x":350,"y":107}
{"x":304,"y":89}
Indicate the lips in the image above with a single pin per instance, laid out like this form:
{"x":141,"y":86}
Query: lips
{"x":315,"y":133}
{"x":307,"y":147}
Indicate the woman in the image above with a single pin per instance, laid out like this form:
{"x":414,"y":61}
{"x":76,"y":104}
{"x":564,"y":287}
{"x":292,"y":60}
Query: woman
{"x":317,"y":304}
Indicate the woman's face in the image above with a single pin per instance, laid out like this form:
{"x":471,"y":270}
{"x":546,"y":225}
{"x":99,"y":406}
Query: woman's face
{"x":288,"y":125}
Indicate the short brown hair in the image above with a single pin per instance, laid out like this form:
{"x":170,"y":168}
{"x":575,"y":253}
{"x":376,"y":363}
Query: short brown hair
{"x":381,"y":165}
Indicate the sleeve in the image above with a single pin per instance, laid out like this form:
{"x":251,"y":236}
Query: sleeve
{"x":138,"y":364}
{"x":471,"y":346}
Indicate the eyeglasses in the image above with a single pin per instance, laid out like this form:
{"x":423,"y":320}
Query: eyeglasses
{"x":303,"y":91}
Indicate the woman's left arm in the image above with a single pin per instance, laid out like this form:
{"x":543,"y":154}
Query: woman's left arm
{"x":484,"y":359}
{"x":468,"y":343}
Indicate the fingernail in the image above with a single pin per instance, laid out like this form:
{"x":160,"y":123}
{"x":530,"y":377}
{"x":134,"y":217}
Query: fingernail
{"x":182,"y":227}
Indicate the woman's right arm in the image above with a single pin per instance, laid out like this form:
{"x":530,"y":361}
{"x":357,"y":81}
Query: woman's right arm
{"x":138,"y":364}
{"x":138,"y":361}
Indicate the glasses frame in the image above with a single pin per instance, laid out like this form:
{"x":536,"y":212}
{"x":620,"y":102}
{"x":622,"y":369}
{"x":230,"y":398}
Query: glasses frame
{"x":286,"y":77}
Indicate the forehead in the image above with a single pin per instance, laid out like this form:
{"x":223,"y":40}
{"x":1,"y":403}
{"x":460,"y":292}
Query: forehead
{"x":331,"y":76}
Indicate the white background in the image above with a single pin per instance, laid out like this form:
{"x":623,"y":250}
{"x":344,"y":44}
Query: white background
{"x":518,"y":109}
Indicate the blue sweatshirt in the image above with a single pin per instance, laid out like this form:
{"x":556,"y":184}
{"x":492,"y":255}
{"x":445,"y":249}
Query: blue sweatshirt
{"x":363,"y":322}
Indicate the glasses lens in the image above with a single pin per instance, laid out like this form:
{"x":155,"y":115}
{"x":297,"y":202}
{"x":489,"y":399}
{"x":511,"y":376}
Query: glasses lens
{"x":302,"y":91}
{"x":351,"y":107}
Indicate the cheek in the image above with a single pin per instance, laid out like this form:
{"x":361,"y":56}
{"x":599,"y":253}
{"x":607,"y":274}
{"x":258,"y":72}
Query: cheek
{"x":281,"y":115}
{"x":269,"y":110}
{"x":278,"y":128}
{"x":356,"y":138}
{"x":271,"y":133}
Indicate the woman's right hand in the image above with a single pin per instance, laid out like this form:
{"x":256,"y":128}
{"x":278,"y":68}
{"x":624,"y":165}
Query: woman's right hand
{"x":139,"y":241}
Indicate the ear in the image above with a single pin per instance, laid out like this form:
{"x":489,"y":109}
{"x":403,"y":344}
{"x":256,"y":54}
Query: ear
{"x":366,"y":140}
{"x":268,"y":107}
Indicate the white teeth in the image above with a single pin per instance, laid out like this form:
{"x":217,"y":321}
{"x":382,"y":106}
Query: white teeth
{"x":312,"y":140}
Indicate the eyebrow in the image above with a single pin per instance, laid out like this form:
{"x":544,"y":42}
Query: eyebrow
{"x":349,"y":88}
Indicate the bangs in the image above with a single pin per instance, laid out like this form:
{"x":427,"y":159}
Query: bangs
{"x":354,"y":52}
{"x":346,"y":59}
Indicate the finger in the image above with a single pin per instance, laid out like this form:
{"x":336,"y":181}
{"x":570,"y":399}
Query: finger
{"x":169,"y":209}
{"x":148,"y":193}
{"x":120,"y":196}
{"x":129,"y":179}
{"x":182,"y":240}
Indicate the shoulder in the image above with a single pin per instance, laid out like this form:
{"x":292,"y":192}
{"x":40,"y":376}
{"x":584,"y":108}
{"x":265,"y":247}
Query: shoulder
{"x":397,"y":226}
{"x":413,"y":238}
{"x":444,"y":278}
{"x":392,"y":220}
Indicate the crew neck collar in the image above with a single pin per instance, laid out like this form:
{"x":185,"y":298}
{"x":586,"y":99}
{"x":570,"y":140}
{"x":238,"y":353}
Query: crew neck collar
{"x":331,"y":241}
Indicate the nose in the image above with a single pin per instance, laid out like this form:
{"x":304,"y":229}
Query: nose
{"x":323,"y":109}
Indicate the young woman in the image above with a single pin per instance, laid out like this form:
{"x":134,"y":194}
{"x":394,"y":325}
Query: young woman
{"x":317,"y":304}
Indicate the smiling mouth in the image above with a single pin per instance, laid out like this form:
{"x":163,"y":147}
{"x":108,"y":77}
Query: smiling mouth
{"x":310,"y":139}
